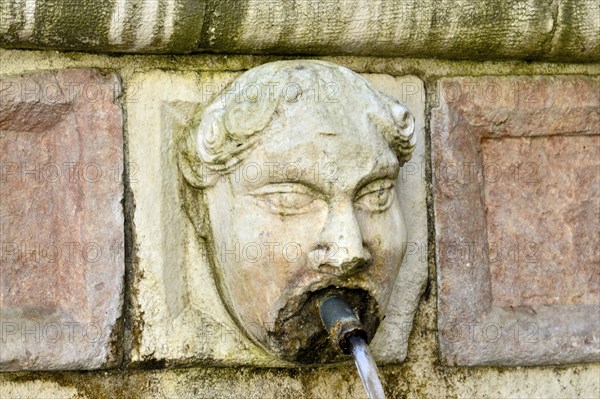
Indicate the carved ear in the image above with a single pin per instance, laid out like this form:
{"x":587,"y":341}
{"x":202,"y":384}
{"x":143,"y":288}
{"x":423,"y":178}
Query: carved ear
{"x":191,"y":187}
{"x":193,"y":182}
{"x":405,"y":124}
{"x":195,"y":209}
{"x":191,"y":171}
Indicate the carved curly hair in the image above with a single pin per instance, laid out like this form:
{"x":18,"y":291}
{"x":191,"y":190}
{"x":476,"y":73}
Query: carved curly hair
{"x":233,"y":123}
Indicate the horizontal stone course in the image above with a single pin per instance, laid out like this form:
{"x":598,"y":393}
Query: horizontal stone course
{"x":566,"y":30}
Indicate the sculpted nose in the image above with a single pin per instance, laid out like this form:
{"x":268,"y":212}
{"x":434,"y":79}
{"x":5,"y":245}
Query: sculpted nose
{"x":340,"y":250}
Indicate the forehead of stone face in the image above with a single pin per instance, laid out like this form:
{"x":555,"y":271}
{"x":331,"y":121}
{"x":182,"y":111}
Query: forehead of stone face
{"x":338,"y":97}
{"x":324,"y":116}
{"x":314,"y":92}
{"x":329,"y":135}
{"x":331,"y":101}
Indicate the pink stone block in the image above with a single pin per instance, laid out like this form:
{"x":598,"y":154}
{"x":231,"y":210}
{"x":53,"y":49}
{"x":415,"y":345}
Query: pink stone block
{"x":61,"y":226}
{"x":543,"y":220}
{"x":516,"y":187}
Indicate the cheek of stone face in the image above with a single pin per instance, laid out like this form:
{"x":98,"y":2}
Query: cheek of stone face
{"x":384,"y":235}
{"x":268,"y":257}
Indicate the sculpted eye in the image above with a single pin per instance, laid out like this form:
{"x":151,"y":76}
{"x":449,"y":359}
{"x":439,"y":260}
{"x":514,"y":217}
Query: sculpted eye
{"x":376,"y":196}
{"x":285,"y":199}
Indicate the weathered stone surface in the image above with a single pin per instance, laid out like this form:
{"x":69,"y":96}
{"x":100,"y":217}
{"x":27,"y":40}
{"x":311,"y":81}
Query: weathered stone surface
{"x":418,"y":378}
{"x":391,"y":342}
{"x":61,"y":258}
{"x":515,"y":198}
{"x":36,"y":390}
{"x":541,"y":195}
{"x":176,"y":299}
{"x":457,"y":29}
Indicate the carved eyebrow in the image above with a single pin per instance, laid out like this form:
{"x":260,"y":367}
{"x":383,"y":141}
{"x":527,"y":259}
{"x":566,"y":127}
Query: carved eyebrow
{"x":271,"y":188}
{"x":380,"y":171}
{"x":306,"y":180}
{"x":385,"y":183}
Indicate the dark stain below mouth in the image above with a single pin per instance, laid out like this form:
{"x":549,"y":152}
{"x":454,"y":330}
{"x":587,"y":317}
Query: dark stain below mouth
{"x":302,"y":338}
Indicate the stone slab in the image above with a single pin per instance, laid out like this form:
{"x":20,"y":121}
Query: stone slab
{"x":565,"y":30}
{"x":179,"y":318}
{"x":61,"y":227}
{"x":516,"y":182}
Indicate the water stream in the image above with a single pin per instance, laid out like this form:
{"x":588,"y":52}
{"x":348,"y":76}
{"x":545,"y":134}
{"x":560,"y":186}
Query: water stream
{"x":367,"y":369}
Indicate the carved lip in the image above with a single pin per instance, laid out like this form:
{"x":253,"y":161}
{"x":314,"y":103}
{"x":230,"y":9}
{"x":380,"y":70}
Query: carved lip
{"x":295,"y":296}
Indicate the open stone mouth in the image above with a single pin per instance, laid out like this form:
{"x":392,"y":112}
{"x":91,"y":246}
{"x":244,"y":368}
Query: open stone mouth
{"x":300,"y":335}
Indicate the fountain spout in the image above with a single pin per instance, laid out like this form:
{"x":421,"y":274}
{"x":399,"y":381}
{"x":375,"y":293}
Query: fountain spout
{"x":345,"y":330}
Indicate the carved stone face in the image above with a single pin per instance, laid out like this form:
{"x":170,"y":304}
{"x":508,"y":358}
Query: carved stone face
{"x":310,"y":210}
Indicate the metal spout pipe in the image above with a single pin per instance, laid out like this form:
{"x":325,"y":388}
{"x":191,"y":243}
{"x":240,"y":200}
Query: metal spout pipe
{"x":345,"y":329}
{"x":340,"y":322}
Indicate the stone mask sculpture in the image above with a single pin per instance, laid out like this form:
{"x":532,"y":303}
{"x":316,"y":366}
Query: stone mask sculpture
{"x":290,"y":184}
